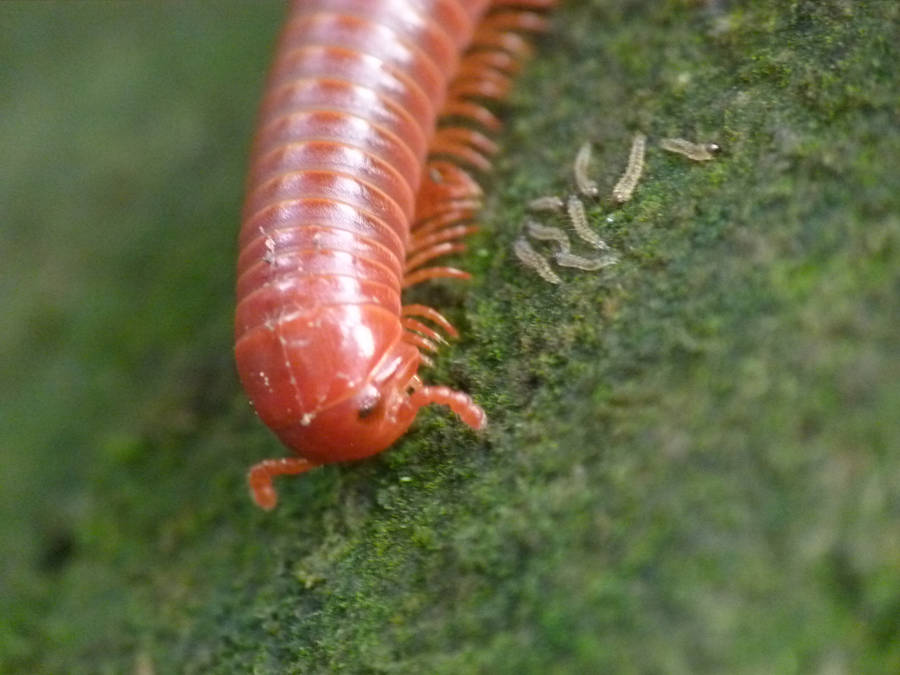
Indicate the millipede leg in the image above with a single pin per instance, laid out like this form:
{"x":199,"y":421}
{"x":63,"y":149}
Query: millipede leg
{"x":441,"y":144}
{"x":487,"y":84}
{"x":418,"y":243}
{"x":444,"y":215}
{"x":516,"y":19}
{"x":468,"y":411}
{"x":431,"y":252}
{"x":474,"y":112}
{"x":411,"y":324}
{"x":530,"y":4}
{"x":419,"y":341}
{"x":447,"y":194}
{"x":426,"y":273}
{"x":260,"y":478}
{"x":431,"y":314}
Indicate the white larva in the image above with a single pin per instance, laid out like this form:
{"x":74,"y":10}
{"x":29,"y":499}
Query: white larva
{"x":566,"y":259}
{"x":699,"y":152}
{"x":546,"y":233}
{"x":535,"y":261}
{"x":579,"y":221}
{"x":624,"y":189}
{"x":585,"y":185}
{"x":549,"y":203}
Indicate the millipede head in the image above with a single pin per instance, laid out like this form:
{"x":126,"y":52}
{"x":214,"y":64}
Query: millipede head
{"x":367,"y":421}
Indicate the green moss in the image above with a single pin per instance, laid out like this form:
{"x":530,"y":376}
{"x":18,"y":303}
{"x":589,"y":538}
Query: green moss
{"x":691,"y":459}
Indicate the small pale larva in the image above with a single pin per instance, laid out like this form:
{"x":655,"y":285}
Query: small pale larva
{"x":578,"y":217}
{"x":699,"y":152}
{"x":546,"y":233}
{"x":535,"y":261}
{"x":585,"y":185}
{"x":549,"y":203}
{"x":566,"y":259}
{"x":624,"y":189}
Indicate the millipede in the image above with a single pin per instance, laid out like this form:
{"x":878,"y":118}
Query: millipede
{"x":374,"y":116}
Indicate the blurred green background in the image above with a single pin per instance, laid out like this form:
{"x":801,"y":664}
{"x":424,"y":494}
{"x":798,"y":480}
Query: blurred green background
{"x":692,"y":458}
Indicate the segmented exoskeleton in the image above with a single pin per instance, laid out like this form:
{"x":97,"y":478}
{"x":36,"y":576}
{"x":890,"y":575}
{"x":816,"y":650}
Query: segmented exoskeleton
{"x":373,"y":111}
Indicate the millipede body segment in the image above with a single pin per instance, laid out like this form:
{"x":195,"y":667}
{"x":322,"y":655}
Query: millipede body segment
{"x":373,"y":113}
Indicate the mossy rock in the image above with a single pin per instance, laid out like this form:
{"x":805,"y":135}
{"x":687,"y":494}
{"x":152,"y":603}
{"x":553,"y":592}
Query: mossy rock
{"x":692,"y":459}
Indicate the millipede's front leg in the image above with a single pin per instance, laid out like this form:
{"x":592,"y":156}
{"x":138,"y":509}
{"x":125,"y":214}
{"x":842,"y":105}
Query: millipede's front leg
{"x":260,"y":478}
{"x":462,"y":404}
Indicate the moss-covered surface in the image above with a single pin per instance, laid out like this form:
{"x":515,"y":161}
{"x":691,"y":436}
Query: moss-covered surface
{"x":693,"y":458}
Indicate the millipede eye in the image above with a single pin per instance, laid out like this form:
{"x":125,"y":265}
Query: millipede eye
{"x":369,"y":405}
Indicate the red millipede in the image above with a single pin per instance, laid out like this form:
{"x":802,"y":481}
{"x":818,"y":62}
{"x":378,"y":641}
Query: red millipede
{"x":357,"y":182}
